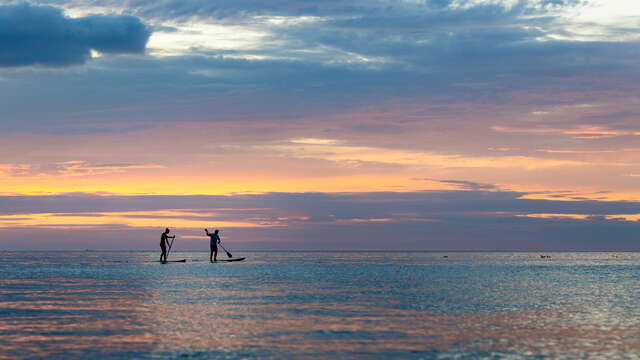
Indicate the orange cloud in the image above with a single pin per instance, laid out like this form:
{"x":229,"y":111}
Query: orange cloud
{"x":624,"y":217}
{"x":157,"y":218}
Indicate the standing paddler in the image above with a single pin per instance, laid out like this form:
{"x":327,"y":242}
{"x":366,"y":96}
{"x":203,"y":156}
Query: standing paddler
{"x":163,"y":244}
{"x":213,"y":244}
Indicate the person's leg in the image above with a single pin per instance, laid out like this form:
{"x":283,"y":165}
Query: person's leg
{"x":215,"y":254}
{"x":211,"y":253}
{"x":163,"y":254}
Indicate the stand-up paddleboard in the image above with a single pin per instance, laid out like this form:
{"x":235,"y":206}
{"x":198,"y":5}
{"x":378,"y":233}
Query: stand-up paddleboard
{"x":230,"y":260}
{"x":170,"y":261}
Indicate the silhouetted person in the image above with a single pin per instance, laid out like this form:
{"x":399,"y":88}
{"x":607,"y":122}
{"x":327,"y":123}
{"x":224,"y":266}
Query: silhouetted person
{"x":213,"y":244}
{"x":163,"y":244}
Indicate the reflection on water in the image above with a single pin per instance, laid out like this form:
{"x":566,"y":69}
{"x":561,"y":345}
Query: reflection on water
{"x":355,"y":304}
{"x":69,"y":305}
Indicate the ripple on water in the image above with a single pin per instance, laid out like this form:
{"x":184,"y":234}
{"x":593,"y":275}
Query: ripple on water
{"x":312,"y":304}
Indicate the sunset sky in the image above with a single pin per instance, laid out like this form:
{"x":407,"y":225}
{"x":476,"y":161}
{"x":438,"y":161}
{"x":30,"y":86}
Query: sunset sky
{"x":379,"y":124}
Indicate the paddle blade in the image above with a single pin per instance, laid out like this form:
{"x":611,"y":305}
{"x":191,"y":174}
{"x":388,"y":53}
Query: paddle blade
{"x":229,"y":254}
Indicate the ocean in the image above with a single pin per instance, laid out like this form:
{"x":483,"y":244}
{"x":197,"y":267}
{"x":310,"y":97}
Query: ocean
{"x":316,"y":305}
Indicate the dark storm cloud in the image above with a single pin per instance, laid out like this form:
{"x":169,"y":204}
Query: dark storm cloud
{"x":42,"y":35}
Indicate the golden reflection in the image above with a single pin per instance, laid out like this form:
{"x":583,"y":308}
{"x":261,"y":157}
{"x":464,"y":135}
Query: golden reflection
{"x":309,"y":329}
{"x":72,"y":317}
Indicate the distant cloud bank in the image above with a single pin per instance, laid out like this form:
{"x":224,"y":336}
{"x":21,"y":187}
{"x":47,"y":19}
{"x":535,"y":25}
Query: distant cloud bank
{"x":431,"y":220}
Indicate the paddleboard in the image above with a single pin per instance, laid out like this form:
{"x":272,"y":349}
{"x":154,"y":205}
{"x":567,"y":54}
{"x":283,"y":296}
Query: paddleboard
{"x":234,"y":259}
{"x":183,"y":260}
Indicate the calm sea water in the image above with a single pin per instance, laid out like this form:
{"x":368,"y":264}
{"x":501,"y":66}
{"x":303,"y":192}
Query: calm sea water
{"x":106,"y":305}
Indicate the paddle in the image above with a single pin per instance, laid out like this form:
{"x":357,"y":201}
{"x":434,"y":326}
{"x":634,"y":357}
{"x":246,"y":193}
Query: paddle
{"x":225,"y":250}
{"x":170,"y":245}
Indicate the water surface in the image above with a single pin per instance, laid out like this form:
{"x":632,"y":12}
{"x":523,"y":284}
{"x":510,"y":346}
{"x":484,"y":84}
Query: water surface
{"x":105,"y":305}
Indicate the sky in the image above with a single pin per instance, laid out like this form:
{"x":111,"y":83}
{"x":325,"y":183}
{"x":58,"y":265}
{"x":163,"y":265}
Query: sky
{"x":379,"y":124}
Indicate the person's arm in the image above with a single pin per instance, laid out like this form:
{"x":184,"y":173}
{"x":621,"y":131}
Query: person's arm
{"x":218,"y":239}
{"x":206,"y":231}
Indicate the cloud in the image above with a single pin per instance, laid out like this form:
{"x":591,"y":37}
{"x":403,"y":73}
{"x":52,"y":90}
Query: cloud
{"x":71,"y":168}
{"x":469,"y":185}
{"x":42,"y":35}
{"x":414,"y":220}
{"x":352,"y":54}
{"x":344,"y":83}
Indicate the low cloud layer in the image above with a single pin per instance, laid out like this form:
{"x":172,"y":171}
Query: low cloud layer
{"x":434,"y":220}
{"x":43,"y":35}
